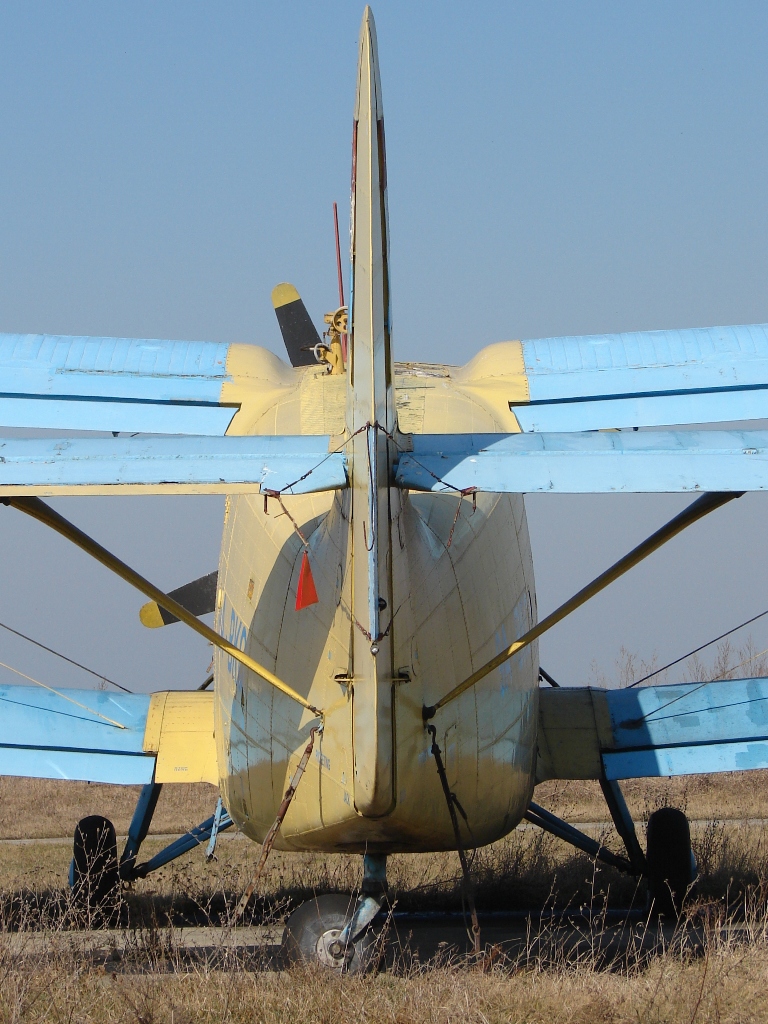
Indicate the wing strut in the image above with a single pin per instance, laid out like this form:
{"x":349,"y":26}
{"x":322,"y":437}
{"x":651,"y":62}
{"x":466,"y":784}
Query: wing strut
{"x":695,"y":511}
{"x":45,"y":514}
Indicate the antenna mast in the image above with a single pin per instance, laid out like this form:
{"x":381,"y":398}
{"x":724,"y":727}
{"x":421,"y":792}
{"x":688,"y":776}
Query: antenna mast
{"x":340,"y":275}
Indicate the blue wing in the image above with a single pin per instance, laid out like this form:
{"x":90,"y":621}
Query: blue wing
{"x":653,"y":731}
{"x":192,"y":465}
{"x":707,"y":460}
{"x":647,"y":378}
{"x":120,"y":384}
{"x":93,"y":736}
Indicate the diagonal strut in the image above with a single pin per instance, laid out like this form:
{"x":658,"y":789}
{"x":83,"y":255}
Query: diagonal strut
{"x":695,"y":511}
{"x":45,"y":514}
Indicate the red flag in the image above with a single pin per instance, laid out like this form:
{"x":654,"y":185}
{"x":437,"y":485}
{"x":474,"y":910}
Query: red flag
{"x":305,"y":593}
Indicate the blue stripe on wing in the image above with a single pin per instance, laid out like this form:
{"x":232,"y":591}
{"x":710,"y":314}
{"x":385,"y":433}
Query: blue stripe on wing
{"x":45,"y":736}
{"x":646,"y":378}
{"x":120,"y":384}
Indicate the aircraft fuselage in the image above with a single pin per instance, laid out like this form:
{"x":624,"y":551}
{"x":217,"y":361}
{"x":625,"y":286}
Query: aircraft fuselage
{"x":461,"y":590}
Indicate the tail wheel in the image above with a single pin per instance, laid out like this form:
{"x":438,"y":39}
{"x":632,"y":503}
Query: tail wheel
{"x":312,"y":931}
{"x":671,"y":864}
{"x":95,"y":875}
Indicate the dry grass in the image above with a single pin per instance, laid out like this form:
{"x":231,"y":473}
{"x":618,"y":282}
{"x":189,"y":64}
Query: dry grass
{"x":706,"y":973}
{"x":718,"y":971}
{"x":715,"y":969}
{"x":41,"y":808}
{"x":521,"y":871}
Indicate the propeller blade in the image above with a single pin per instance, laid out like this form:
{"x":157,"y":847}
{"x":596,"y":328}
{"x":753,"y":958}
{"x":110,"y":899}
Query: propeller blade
{"x":198,"y":597}
{"x":299,"y":333}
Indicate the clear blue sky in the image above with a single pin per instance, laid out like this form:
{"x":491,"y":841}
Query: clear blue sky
{"x":553,"y":167}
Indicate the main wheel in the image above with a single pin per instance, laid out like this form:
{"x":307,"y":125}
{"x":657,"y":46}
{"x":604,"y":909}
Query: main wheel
{"x":312,"y":931}
{"x":95,"y":875}
{"x":671,"y":864}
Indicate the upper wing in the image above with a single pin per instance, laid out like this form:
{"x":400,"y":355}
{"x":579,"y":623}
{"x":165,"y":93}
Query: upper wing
{"x":93,"y":736}
{"x":647,"y":378}
{"x":149,"y":387}
{"x":124,"y":384}
{"x":652,"y":460}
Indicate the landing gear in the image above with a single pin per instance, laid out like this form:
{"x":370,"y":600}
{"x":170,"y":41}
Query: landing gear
{"x":671,"y":864}
{"x":94,"y":872}
{"x":338,"y":932}
{"x":668,"y":864}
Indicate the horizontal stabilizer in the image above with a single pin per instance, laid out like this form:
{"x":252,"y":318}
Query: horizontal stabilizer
{"x":93,"y":736}
{"x":588,"y":463}
{"x":169,"y":465}
{"x":198,"y":597}
{"x":646,"y":378}
{"x":653,"y":731}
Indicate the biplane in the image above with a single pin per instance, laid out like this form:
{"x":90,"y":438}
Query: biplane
{"x":376,"y":682}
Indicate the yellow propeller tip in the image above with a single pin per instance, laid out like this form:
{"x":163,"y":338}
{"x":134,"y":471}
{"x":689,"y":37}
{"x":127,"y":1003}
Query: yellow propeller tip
{"x":284,"y":293}
{"x":150,"y":615}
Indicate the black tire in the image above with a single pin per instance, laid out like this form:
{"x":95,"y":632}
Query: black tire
{"x":95,"y":871}
{"x":671,"y":866}
{"x":311,"y":929}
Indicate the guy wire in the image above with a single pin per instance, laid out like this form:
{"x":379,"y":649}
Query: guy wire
{"x":65,"y":658}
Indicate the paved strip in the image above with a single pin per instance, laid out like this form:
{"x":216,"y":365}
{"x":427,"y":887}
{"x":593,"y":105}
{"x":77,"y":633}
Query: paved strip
{"x":524,"y":826}
{"x":537,"y":940}
{"x":165,"y":837}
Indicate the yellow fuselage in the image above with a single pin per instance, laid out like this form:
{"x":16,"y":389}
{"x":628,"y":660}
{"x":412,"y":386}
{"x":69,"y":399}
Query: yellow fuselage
{"x":461,"y":590}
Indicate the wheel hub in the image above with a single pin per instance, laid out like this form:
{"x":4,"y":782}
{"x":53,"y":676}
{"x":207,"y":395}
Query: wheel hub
{"x":330,"y":952}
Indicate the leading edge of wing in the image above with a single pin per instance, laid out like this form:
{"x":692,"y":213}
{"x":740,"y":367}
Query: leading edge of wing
{"x":644,"y":378}
{"x":588,"y":463}
{"x":173,"y":465}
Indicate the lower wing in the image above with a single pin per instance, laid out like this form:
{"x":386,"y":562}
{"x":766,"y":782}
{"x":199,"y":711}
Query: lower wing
{"x":93,"y":736}
{"x":653,"y":731}
{"x":589,"y":462}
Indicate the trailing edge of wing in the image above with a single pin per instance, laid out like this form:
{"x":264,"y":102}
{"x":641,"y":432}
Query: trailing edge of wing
{"x":646,"y":378}
{"x":175,"y":465}
{"x":653,"y":731}
{"x":92,"y":736}
{"x":131,"y":384}
{"x":593,"y":462}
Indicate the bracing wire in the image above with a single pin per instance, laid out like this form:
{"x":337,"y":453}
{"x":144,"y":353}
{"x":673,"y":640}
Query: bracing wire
{"x":696,"y":650}
{"x":63,"y":657}
{"x":64,"y":696}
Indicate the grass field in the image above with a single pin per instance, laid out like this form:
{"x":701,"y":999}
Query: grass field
{"x":720,"y":976}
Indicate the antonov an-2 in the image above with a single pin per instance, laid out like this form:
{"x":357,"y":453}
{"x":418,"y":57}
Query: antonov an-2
{"x":375,"y":593}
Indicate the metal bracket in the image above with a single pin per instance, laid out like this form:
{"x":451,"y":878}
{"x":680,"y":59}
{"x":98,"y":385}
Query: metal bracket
{"x":366,"y":910}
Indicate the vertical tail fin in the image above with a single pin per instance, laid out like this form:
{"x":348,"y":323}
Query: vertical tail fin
{"x":370,"y":405}
{"x":371,"y":392}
